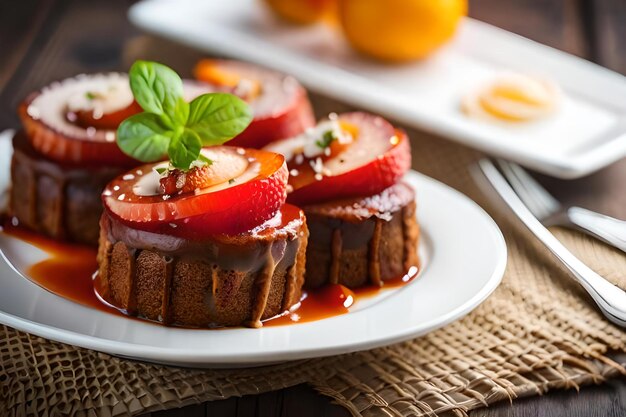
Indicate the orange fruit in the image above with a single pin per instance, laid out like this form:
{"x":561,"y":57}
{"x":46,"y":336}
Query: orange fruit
{"x":303,"y":11}
{"x":399,"y":30}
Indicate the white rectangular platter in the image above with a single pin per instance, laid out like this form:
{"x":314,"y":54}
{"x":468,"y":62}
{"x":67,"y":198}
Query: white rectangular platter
{"x":587,"y":133}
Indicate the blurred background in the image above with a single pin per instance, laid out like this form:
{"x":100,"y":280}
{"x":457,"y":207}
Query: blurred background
{"x":44,"y":40}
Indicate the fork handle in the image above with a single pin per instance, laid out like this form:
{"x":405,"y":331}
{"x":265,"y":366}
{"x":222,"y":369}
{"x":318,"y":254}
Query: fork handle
{"x":610,"y":298}
{"x":605,"y":228}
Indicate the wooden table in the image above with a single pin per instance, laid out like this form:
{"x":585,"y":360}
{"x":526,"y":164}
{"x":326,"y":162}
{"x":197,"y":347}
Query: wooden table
{"x":44,"y":40}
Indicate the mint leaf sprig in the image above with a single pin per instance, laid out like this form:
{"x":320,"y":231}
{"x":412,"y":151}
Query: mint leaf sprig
{"x":171,"y":126}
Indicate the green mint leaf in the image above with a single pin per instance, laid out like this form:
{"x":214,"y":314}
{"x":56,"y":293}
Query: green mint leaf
{"x":158,"y":89}
{"x":218,"y":117}
{"x":184,"y":149}
{"x":90,"y":95}
{"x":161,"y":170}
{"x":327,"y":138}
{"x":143,"y":137}
{"x":172,"y":126}
{"x":180,"y":113}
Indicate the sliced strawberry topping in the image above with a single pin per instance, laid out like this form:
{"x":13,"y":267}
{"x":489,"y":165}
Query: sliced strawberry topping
{"x":240,"y":190}
{"x":377,"y":158}
{"x":75,"y":120}
{"x":280,"y":105}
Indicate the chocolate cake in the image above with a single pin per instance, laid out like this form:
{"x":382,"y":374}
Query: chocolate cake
{"x":59,"y":200}
{"x":360,"y":241}
{"x":218,"y":281}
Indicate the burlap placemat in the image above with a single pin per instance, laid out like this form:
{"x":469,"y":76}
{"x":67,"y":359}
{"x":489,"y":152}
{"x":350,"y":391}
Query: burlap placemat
{"x":538,"y":331}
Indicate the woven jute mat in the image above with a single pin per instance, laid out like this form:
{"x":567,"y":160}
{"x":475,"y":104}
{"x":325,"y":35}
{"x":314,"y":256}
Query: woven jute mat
{"x":538,"y":331}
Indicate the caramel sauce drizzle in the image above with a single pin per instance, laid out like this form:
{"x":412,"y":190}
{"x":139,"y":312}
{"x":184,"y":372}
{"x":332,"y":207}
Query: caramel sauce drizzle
{"x":291,"y":286}
{"x":68,"y":273}
{"x":264,"y":282}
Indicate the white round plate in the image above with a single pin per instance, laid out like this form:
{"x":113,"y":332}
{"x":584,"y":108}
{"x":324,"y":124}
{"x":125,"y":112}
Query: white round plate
{"x":464,"y":258}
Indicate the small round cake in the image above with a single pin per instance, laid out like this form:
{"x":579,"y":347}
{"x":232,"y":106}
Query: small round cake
{"x":362,"y":240}
{"x":203,"y":238}
{"x":346,"y":175}
{"x":58,"y":200}
{"x":224,"y":280}
{"x":212,"y":246}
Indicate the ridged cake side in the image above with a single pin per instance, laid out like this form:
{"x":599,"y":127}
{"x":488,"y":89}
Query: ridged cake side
{"x":57,"y":200}
{"x":191,"y":289}
{"x":362,"y":241}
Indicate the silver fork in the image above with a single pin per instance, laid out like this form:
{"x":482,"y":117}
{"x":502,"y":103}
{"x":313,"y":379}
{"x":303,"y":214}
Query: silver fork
{"x":551,"y":213}
{"x":610,"y":299}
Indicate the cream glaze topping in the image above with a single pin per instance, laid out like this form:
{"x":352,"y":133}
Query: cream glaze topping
{"x":100,"y":94}
{"x":375,"y":137}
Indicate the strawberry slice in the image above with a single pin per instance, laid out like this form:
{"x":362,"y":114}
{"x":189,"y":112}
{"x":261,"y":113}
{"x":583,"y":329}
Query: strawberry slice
{"x":279,"y":103}
{"x":71,"y":145}
{"x":246,"y":188}
{"x":75,"y":120}
{"x":377,"y":158}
